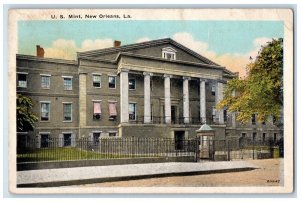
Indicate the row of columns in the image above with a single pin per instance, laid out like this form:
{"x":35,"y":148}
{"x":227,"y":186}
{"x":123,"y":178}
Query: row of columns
{"x":167,"y":98}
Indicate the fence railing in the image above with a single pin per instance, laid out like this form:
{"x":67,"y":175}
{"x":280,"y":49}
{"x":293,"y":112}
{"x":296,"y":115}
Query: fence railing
{"x":54,"y":149}
{"x":161,"y":120}
{"x":60,"y":149}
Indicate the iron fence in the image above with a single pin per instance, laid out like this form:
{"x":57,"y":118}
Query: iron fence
{"x":161,"y":120}
{"x":59,"y":149}
{"x":239,"y":148}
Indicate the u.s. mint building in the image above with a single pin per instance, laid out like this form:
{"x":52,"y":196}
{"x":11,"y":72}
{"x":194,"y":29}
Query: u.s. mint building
{"x":158,"y":88}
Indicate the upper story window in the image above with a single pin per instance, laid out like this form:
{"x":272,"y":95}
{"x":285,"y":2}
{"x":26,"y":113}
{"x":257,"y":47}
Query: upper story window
{"x":225,"y":115}
{"x":112,"y":81}
{"x":132,"y":111}
{"x":213,"y":90}
{"x":22,"y":79}
{"x":67,"y":82}
{"x":131,"y":83}
{"x":214,"y":117}
{"x":67,"y":109}
{"x":45,"y":81}
{"x":169,"y":53}
{"x":97,"y":80}
{"x":45,"y":111}
{"x":253,"y":119}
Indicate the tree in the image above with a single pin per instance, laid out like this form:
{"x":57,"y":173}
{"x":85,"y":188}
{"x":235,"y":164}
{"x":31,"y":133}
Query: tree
{"x":25,"y":118}
{"x":261,"y":92}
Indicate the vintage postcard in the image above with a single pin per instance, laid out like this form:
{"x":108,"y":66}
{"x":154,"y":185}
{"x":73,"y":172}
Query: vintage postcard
{"x":151,"y":101}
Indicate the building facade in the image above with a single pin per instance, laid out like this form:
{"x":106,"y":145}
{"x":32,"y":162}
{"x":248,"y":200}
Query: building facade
{"x":152,"y":89}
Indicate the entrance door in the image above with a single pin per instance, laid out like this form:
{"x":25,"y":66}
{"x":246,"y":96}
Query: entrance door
{"x":173,"y":114}
{"x":179,"y":140}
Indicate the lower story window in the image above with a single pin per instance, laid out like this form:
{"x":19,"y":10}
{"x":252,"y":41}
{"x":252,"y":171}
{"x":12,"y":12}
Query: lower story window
{"x":96,"y":137}
{"x":67,"y":139}
{"x":97,"y":110}
{"x":44,"y":140}
{"x":112,"y":134}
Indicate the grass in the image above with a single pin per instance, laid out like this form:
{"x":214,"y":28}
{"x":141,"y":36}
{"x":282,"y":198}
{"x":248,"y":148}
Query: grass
{"x":63,"y":154}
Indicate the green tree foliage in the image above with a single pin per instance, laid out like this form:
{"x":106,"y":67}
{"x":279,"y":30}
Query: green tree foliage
{"x":261,"y":92}
{"x":25,"y":118}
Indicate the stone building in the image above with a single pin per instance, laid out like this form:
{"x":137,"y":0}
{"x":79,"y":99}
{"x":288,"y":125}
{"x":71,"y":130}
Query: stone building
{"x":158,"y":88}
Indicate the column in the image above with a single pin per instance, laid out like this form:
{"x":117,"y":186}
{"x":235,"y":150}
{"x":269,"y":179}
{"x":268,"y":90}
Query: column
{"x":186,"y":100}
{"x":167,"y":98}
{"x":233,"y":114}
{"x":124,"y":95}
{"x":219,"y":97}
{"x":202,"y":101}
{"x":82,"y":99}
{"x":147,"y":97}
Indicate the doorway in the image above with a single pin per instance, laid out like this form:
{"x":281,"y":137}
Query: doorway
{"x":179,"y":140}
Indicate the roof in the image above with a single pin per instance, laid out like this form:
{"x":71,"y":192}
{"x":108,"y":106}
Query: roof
{"x":43,"y":59}
{"x":205,"y":128}
{"x":143,"y":45}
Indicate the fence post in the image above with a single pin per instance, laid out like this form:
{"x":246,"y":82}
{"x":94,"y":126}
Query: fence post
{"x":228,"y":150}
{"x":253,"y":147}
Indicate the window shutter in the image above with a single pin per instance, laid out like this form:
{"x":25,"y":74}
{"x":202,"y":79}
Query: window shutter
{"x":73,"y":140}
{"x":60,"y":140}
{"x":38,"y":141}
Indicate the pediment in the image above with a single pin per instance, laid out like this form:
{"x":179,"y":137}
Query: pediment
{"x":153,"y":48}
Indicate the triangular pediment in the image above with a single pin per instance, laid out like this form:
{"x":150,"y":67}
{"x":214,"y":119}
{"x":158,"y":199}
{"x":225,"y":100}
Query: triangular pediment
{"x":151,"y":49}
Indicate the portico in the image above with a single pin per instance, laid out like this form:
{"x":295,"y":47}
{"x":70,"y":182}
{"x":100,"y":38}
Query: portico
{"x":185,"y":109}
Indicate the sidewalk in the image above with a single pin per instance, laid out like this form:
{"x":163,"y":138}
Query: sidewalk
{"x":85,"y":175}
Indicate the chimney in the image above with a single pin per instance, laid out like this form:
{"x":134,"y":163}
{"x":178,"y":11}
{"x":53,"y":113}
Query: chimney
{"x":117,"y":43}
{"x":39,"y":51}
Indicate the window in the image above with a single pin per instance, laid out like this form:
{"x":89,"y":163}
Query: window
{"x":22,"y":80}
{"x":254,"y":136}
{"x":132,"y":111}
{"x":111,"y":82}
{"x":97,"y":80}
{"x":112,"y":134}
{"x":213,"y":90}
{"x":96,"y":137}
{"x":225,"y":115}
{"x":275,"y":137}
{"x":67,"y":139}
{"x":112,"y":111}
{"x":67,"y":109}
{"x":45,"y":81}
{"x":264,"y":137}
{"x":131,"y":84}
{"x":214,"y":114}
{"x":45,"y":111}
{"x":169,"y":56}
{"x":253,"y":119}
{"x":169,"y":53}
{"x":97,"y":110}
{"x":67,"y":83}
{"x":244,"y":135}
{"x":44,"y":140}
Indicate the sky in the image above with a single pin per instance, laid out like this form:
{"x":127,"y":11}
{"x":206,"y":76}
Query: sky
{"x":228,"y":43}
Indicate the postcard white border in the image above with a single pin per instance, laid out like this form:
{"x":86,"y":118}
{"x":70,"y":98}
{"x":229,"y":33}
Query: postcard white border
{"x":285,"y":15}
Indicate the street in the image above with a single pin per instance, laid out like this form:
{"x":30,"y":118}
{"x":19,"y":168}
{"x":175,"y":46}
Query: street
{"x":270,"y":173}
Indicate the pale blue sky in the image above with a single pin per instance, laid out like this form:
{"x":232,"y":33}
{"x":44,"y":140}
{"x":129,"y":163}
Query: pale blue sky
{"x":228,"y":43}
{"x":222,"y":36}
